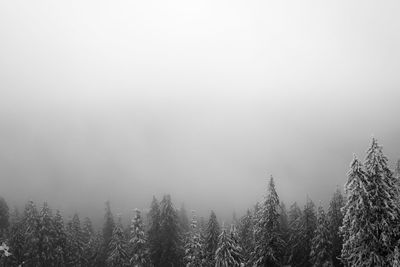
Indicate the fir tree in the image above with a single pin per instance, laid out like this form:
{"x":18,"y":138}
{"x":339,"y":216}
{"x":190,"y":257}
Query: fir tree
{"x":396,"y":257}
{"x":153,"y":233}
{"x":31,"y":235}
{"x":171,"y":242}
{"x":335,"y":218}
{"x":321,"y":244}
{"x":60,"y":241}
{"x":211,"y":240}
{"x":246,"y":236}
{"x":138,"y":242}
{"x":183,"y":219}
{"x":108,"y":228}
{"x":227,"y":253}
{"x":47,"y":238}
{"x":17,"y":239}
{"x":370,"y":227}
{"x":118,"y":254}
{"x":4,"y":217}
{"x":75,"y":242}
{"x":268,"y":243}
{"x":193,"y":247}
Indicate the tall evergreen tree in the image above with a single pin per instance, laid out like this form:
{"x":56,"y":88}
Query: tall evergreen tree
{"x":335,"y":218}
{"x":60,"y":242}
{"x":183,"y":219}
{"x":171,"y":243}
{"x":269,"y":243}
{"x":138,"y":243}
{"x":321,"y":244}
{"x":4,"y":217}
{"x":246,"y":235}
{"x":17,"y":239}
{"x":118,"y":255}
{"x":47,"y":235}
{"x":154,"y":240}
{"x":193,"y":246}
{"x":31,"y":235}
{"x":370,"y":227}
{"x":294,"y":245}
{"x":75,"y":242}
{"x":228,"y":254}
{"x":211,"y":240}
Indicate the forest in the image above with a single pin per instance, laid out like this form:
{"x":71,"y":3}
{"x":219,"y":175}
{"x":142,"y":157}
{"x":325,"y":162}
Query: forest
{"x":360,"y":227}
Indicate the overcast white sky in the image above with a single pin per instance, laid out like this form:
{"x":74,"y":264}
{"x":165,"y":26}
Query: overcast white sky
{"x":205,"y":100}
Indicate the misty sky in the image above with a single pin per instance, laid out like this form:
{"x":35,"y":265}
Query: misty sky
{"x":205,"y":100}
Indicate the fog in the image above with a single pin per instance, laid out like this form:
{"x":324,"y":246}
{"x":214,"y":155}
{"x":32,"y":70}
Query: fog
{"x":200,"y":99}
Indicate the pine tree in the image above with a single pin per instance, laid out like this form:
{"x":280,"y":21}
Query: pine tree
{"x":108,"y":228}
{"x":47,"y":238}
{"x":75,"y":242}
{"x":60,"y":241}
{"x":246,"y":236}
{"x":171,"y":243}
{"x":4,"y":217}
{"x":154,"y":240}
{"x":193,"y":247}
{"x":17,"y":239}
{"x":118,"y":254}
{"x":138,"y":242}
{"x":295,"y":240}
{"x":370,"y":227}
{"x":228,"y":254}
{"x":211,"y":240}
{"x":321,"y":244}
{"x":269,"y":244}
{"x":31,"y":235}
{"x":335,"y":218}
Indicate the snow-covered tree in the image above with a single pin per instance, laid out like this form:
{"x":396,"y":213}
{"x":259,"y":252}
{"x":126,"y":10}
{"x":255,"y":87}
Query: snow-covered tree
{"x":31,"y":234}
{"x":370,"y":226}
{"x":118,"y":248}
{"x":153,"y":234}
{"x":321,"y":244}
{"x":4,"y":217}
{"x":335,"y":218}
{"x":228,"y":253}
{"x":171,"y":243}
{"x":60,"y":240}
{"x":211,"y":240}
{"x":246,"y":235}
{"x":193,"y":246}
{"x":75,"y":242}
{"x":138,"y":243}
{"x":268,"y":243}
{"x":47,"y":235}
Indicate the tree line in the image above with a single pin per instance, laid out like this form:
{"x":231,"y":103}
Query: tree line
{"x":360,"y":228}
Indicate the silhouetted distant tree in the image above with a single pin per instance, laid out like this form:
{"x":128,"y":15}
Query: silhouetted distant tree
{"x":183,"y":219}
{"x":335,"y":218}
{"x":171,"y":243}
{"x":4,"y":217}
{"x":154,"y":240}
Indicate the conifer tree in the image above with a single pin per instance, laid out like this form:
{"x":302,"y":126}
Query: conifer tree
{"x":335,"y":218}
{"x":370,"y":227}
{"x":295,"y":240}
{"x":60,"y":242}
{"x":171,"y":243}
{"x":396,"y":257}
{"x":211,"y":240}
{"x":31,"y":235}
{"x":183,"y":219}
{"x":154,"y":241}
{"x":138,"y":243}
{"x":17,"y":239}
{"x":4,"y":217}
{"x":108,"y":228}
{"x":118,"y":254}
{"x":75,"y":242}
{"x":227,"y":253}
{"x":268,"y":243}
{"x":47,"y":238}
{"x":246,"y":236}
{"x":321,"y":244}
{"x":193,"y":247}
